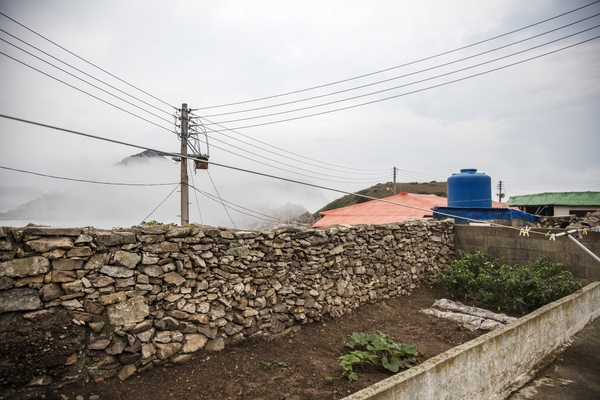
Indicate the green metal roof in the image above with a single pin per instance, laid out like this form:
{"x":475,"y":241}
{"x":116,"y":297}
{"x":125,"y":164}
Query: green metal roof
{"x":556,"y":199}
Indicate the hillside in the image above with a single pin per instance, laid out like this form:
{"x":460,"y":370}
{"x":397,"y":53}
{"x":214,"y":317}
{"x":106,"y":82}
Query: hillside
{"x":382,"y":190}
{"x":11,"y":197}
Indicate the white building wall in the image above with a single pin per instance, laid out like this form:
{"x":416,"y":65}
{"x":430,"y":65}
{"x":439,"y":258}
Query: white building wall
{"x":560,"y":211}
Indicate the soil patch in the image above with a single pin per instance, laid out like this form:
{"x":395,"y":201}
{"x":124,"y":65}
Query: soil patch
{"x":293,"y":366}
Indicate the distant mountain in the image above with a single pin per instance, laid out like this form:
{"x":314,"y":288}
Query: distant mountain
{"x":11,"y":197}
{"x":142,"y":157}
{"x":52,"y":203}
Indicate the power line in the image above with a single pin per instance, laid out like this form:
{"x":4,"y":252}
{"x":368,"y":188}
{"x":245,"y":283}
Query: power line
{"x":281,"y":149}
{"x":388,"y":69}
{"x":416,"y":82}
{"x":296,"y":173}
{"x":141,"y":184}
{"x":288,"y":158}
{"x":370,"y":179}
{"x":87,"y":180}
{"x":161,"y":203}
{"x":248,"y":171}
{"x":282,"y":163}
{"x":596,"y":182}
{"x":264,"y":149}
{"x":197,"y":202}
{"x":234,"y":207}
{"x":415,"y":91}
{"x":83,"y":80}
{"x":83,"y":72}
{"x":398,"y":77}
{"x":220,"y":199}
{"x":86,"y":61}
{"x":83,"y":91}
{"x":403,"y":65}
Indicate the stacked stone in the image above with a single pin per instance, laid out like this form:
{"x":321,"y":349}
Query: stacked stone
{"x":153,"y":295}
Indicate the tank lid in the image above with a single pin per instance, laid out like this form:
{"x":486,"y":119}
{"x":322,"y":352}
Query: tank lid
{"x":468,"y":170}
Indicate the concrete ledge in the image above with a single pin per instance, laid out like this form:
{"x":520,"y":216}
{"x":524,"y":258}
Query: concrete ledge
{"x":486,"y":367}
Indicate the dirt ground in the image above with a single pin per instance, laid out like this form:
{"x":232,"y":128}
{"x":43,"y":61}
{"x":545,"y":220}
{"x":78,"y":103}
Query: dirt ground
{"x":291,"y":367}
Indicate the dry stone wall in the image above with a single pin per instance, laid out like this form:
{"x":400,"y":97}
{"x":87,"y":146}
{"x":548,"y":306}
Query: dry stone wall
{"x":155,"y":295}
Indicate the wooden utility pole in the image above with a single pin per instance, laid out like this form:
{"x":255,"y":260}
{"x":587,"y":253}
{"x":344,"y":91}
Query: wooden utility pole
{"x":394,"y":180}
{"x":500,"y":194}
{"x":185,"y":208}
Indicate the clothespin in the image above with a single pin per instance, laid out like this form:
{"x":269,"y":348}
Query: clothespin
{"x":579,"y":234}
{"x":553,"y":237}
{"x":585,"y":231}
{"x":524,"y":231}
{"x":547,"y":233}
{"x":598,"y":229}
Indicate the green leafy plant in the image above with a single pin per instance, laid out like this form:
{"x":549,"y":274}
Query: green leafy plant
{"x":269,"y":364}
{"x":283,"y":366}
{"x":375,"y":349}
{"x":510,"y":287}
{"x":150,"y":223}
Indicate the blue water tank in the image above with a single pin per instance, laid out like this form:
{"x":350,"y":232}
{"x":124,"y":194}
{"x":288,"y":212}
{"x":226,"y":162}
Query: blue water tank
{"x":469,"y":188}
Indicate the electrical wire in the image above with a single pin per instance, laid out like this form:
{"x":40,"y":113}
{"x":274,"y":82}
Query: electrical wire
{"x":407,"y":75}
{"x":86,"y":180}
{"x":369,"y":74}
{"x":83,"y":80}
{"x":83,"y":72}
{"x":403,"y":65}
{"x":523,"y":188}
{"x":296,"y":173}
{"x":251,"y":213}
{"x":273,"y":219}
{"x":421,"y":81}
{"x":242,"y":141}
{"x":289,"y":165}
{"x":227,"y":129}
{"x":282,"y":163}
{"x":84,"y":60}
{"x":220,"y":199}
{"x":161,"y":203}
{"x":373,"y":172}
{"x":196,"y":196}
{"x":281,"y":149}
{"x":230,"y":167}
{"x":83,"y":91}
{"x":279,"y":162}
{"x":415,"y":91}
{"x":262,"y":116}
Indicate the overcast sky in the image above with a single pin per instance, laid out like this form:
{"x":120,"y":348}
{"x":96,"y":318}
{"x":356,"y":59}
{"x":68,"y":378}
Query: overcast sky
{"x":441,"y":95}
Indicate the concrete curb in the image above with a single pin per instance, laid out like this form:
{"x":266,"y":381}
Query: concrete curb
{"x":487,"y":367}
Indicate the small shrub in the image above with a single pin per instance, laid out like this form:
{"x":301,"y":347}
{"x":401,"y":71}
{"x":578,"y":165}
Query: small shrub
{"x":379,"y":349}
{"x":510,"y":287}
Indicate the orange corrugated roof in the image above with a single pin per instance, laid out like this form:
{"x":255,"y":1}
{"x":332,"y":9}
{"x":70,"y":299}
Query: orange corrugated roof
{"x":379,"y":212}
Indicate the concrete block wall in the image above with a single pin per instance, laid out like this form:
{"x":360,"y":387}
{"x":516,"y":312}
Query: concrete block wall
{"x":505,"y":243}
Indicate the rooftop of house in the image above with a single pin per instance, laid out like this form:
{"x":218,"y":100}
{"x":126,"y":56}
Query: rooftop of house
{"x":397,"y":208}
{"x":556,"y":199}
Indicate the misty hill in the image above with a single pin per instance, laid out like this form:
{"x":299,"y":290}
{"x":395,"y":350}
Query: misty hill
{"x":65,"y":205}
{"x":142,"y":157}
{"x":86,"y":204}
{"x":382,"y":190}
{"x":11,"y":197}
